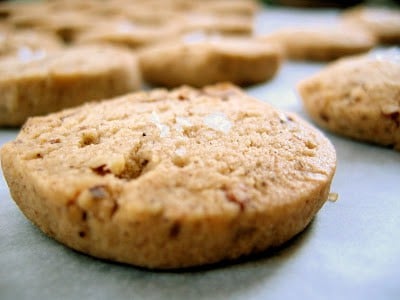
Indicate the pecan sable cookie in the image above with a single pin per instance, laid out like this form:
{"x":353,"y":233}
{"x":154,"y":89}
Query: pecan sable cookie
{"x":36,"y":83}
{"x":170,"y":179}
{"x":358,"y":97}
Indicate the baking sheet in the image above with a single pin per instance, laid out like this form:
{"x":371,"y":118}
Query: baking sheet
{"x":350,"y":251}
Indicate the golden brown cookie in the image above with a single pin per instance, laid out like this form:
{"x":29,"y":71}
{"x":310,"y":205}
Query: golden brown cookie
{"x":25,"y":15}
{"x":22,"y":43}
{"x":36,"y":83}
{"x":228,"y":7}
{"x":123,"y":32}
{"x":358,"y":97}
{"x":200,"y":59}
{"x":12,"y":9}
{"x":384,"y":23}
{"x":211,"y":23}
{"x":170,"y":179}
{"x":322,"y":43}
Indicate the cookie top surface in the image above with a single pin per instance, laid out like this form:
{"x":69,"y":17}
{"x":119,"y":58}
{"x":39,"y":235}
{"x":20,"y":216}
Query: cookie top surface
{"x":20,"y":43}
{"x":70,"y":62}
{"x":228,"y":24}
{"x":126,"y":32}
{"x":203,"y":43}
{"x":340,"y":35}
{"x":383,"y":22}
{"x":376,"y":73}
{"x":186,"y":153}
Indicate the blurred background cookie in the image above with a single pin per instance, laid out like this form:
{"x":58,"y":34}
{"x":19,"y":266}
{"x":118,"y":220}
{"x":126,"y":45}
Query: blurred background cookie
{"x":358,"y":97}
{"x":47,"y":83}
{"x":322,"y":42}
{"x":124,"y":32}
{"x":198,"y":59}
{"x":22,"y":42}
{"x":381,"y":21}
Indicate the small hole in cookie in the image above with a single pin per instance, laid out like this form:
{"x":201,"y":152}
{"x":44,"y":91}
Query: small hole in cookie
{"x":182,"y":97}
{"x":82,"y":234}
{"x":5,"y":15}
{"x":66,"y":34}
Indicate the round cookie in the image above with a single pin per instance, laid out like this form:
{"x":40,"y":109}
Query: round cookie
{"x":227,"y":7}
{"x":358,"y":97}
{"x":25,"y":15}
{"x":322,"y":43}
{"x":68,"y":25}
{"x":37,"y":84}
{"x":11,"y":9}
{"x":22,"y":43}
{"x":216,"y":24}
{"x":383,"y":22}
{"x":123,"y":32}
{"x":170,"y":179}
{"x":199,"y":60}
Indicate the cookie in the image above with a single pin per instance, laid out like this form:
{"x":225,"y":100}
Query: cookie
{"x":37,"y":84}
{"x":68,"y":25}
{"x":384,"y":23}
{"x":322,"y":43}
{"x":228,"y":7}
{"x":200,"y":59}
{"x":25,"y":15}
{"x":211,"y":23}
{"x":170,"y":179}
{"x":152,"y":17}
{"x":358,"y":97}
{"x":19,"y":43}
{"x":10,"y":9}
{"x":123,"y":32}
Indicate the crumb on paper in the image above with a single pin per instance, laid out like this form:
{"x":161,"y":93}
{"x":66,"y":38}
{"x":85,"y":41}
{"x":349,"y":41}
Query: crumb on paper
{"x":333,"y":197}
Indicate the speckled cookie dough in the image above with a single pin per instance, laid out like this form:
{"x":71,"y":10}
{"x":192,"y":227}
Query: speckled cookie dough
{"x":170,"y":179}
{"x":358,"y":97}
